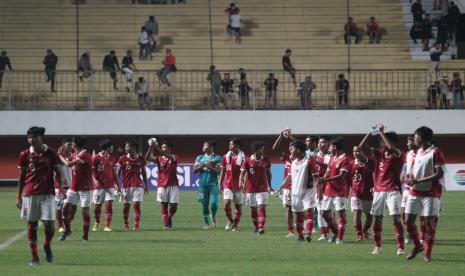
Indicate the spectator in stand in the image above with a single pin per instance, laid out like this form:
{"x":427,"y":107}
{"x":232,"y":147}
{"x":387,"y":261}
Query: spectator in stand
{"x":227,"y":84}
{"x":230,"y":11}
{"x":242,"y":74}
{"x":169,"y":65}
{"x":143,"y":41}
{"x":416,"y":32}
{"x":85,"y":67}
{"x":4,"y":63}
{"x":342,"y":90}
{"x":457,"y":89}
{"x":271,"y":87}
{"x":351,"y":29}
{"x":417,"y":11}
{"x":453,"y":15}
{"x":142,"y":91}
{"x":244,"y":90}
{"x":373,"y":31}
{"x":305,"y":92}
{"x":128,"y":69}
{"x":433,"y":91}
{"x":435,"y":57}
{"x":50,"y":62}
{"x":443,"y":33}
{"x":235,"y":23}
{"x":446,"y":93}
{"x":111,"y":65}
{"x":214,"y":77}
{"x":151,"y":26}
{"x":287,"y":65}
{"x":427,"y":32}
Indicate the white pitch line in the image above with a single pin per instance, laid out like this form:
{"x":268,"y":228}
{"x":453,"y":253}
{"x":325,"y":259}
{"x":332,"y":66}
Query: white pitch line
{"x":10,"y":241}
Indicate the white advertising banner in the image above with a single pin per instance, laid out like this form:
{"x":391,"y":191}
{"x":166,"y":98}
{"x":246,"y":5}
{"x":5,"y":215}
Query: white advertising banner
{"x":455,"y":177}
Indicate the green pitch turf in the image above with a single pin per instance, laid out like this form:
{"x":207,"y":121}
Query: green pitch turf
{"x":189,"y":250}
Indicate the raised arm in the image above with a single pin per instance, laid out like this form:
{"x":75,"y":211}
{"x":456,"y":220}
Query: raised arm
{"x":387,"y":143}
{"x":72,"y":163}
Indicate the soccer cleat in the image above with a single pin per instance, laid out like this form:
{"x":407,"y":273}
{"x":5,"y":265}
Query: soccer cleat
{"x":261,"y":231}
{"x":377,"y":250}
{"x":61,"y":230}
{"x":407,"y":240}
{"x":300,"y":239}
{"x":308,"y":238}
{"x":34,"y":262}
{"x":332,"y":238}
{"x":170,"y":223}
{"x":427,"y":259}
{"x":206,"y":227}
{"x":400,"y":251}
{"x":228,"y":226}
{"x":125,"y":227}
{"x":422,"y":242}
{"x":64,"y":235}
{"x":234,"y":229}
{"x":323,"y":237}
{"x":359,"y":238}
{"x":95,"y":227}
{"x":135,"y":228}
{"x":84,"y":240}
{"x":414,"y":252}
{"x":339,"y":242}
{"x":48,"y":254}
{"x":290,"y":235}
{"x":255,"y":231}
{"x":213,"y":222}
{"x":166,"y":227}
{"x":107,"y":229}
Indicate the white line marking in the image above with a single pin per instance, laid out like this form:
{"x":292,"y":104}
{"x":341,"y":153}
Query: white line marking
{"x":10,"y":241}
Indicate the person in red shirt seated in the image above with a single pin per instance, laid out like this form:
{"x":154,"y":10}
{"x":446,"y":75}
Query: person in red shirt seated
{"x":373,"y":31}
{"x":351,"y":29}
{"x":169,"y":66}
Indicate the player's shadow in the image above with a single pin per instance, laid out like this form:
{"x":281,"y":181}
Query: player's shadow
{"x":169,"y":241}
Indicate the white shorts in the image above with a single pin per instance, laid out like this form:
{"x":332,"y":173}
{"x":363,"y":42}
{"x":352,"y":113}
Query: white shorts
{"x":132,"y":194}
{"x":236,"y":197}
{"x":82,"y":197}
{"x":303,"y":202}
{"x":38,"y":207}
{"x":254,"y":199}
{"x":169,"y":194}
{"x":286,"y":197}
{"x":333,"y":203}
{"x":102,"y":195}
{"x":423,"y":206}
{"x":405,"y":194}
{"x":382,"y":199}
{"x":357,"y":204}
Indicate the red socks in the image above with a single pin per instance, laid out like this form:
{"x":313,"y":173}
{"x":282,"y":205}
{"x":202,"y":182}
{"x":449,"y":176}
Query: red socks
{"x":136,"y":215}
{"x":413,"y":232}
{"x":324,"y":230}
{"x":299,"y":223}
{"x":164,"y":214}
{"x":85,"y":224}
{"x":430,"y":237}
{"x":32,"y":238}
{"x":237,"y":217}
{"x":261,"y":218}
{"x":97,"y":212}
{"x":377,"y":230}
{"x":67,"y":217}
{"x":341,"y":228}
{"x":126,"y":208}
{"x":358,"y":230}
{"x":309,"y":222}
{"x":399,"y":232}
{"x":227,"y":210}
{"x":108,"y":213}
{"x":254,"y":215}
{"x":422,"y":228}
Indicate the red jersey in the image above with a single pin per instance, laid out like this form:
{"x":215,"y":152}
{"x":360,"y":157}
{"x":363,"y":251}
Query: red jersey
{"x":361,"y":175}
{"x":425,"y":164}
{"x":39,"y":171}
{"x":131,"y":170}
{"x":81,"y":180}
{"x":103,"y":169}
{"x":256,"y":173}
{"x":287,"y":169}
{"x":322,"y":161}
{"x":169,"y":60}
{"x":231,"y":10}
{"x":372,"y":26}
{"x":387,"y":172}
{"x":339,"y":187}
{"x":232,"y":172}
{"x":167,"y":171}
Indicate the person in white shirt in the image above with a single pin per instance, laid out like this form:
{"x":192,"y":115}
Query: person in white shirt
{"x":235,"y":23}
{"x":144,"y":44}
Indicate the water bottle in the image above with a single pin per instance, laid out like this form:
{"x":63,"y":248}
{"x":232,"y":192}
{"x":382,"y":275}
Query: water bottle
{"x":373,"y":130}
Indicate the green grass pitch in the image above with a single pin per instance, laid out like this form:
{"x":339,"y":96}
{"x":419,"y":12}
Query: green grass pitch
{"x":189,"y":250}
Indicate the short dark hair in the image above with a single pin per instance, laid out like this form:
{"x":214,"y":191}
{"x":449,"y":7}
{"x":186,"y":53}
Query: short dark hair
{"x":338,"y":142}
{"x":327,"y":138}
{"x":212,"y":143}
{"x":80,"y":141}
{"x":164,"y":142}
{"x":112,"y":52}
{"x":236,"y":141}
{"x":132,"y":143}
{"x":313,"y":138}
{"x":392,"y":136}
{"x":425,"y":132}
{"x":256,"y":145}
{"x":340,"y":76}
{"x":105,"y":144}
{"x":151,"y":17}
{"x":299,"y":145}
{"x":288,"y":51}
{"x":36,"y":131}
{"x":66,"y":140}
{"x":410,"y":137}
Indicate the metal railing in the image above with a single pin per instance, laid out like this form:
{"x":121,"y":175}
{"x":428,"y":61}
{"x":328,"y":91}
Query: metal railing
{"x":369,"y":89}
